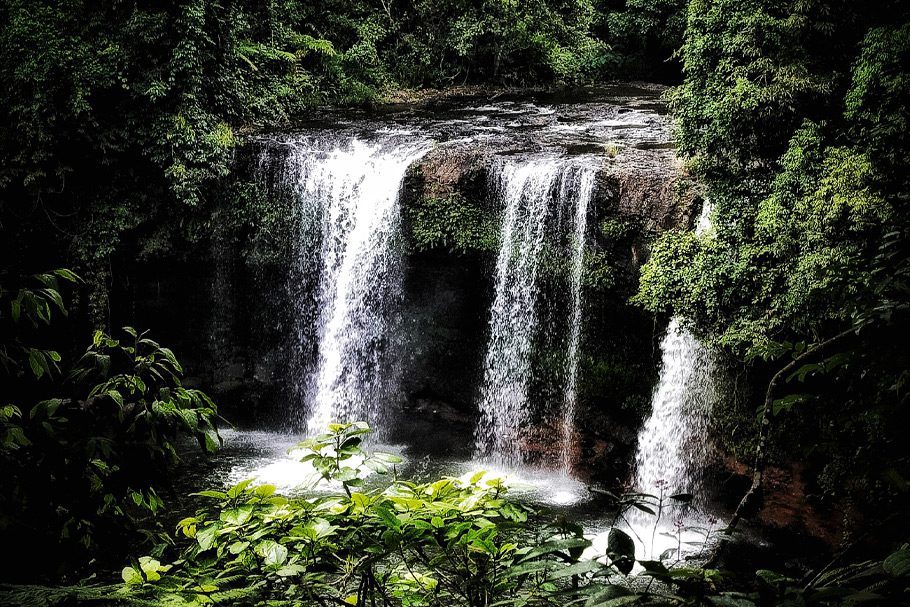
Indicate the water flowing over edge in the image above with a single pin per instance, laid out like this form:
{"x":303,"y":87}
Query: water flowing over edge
{"x":347,"y":195}
{"x":672,"y":445}
{"x":530,"y":190}
{"x":584,"y":193}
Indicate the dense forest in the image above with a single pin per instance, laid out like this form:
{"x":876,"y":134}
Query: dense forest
{"x":124,"y":129}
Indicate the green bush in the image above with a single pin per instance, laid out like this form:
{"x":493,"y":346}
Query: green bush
{"x":452,"y":223}
{"x":82,"y":450}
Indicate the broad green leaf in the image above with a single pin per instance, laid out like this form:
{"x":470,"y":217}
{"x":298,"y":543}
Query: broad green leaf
{"x":577,"y":569}
{"x":607,"y":593}
{"x":239,"y":488}
{"x":238,"y":515}
{"x":206,"y":536}
{"x":213,"y":494}
{"x":560,"y":545}
{"x":131,"y":577}
{"x":621,"y":550}
{"x":238,"y":547}
{"x":272,"y":552}
{"x":291,"y":570}
{"x":616,"y":602}
{"x":898,"y":564}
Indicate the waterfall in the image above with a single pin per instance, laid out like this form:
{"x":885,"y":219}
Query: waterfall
{"x":528,"y":190}
{"x":349,"y":214}
{"x":672,"y":442}
{"x":583,"y":193}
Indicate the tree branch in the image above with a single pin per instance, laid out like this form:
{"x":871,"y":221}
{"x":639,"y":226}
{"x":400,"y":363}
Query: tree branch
{"x":754,"y":493}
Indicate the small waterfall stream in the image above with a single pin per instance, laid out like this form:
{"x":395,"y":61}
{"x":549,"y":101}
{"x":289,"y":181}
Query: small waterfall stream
{"x":348,"y":192}
{"x":582,"y":194}
{"x":672,"y":442}
{"x":526,"y":189}
{"x":532,"y":192}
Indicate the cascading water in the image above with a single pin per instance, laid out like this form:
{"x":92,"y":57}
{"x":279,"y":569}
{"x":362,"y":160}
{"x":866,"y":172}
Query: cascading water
{"x":348,"y":194}
{"x":336,"y":194}
{"x":672,"y":442}
{"x":584,"y":190}
{"x":526,"y":190}
{"x":530,"y":190}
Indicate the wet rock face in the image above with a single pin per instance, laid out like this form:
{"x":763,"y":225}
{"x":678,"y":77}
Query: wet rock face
{"x":644,"y":187}
{"x":648,"y":187}
{"x":452,"y":220}
{"x":445,"y":171}
{"x":448,"y":207}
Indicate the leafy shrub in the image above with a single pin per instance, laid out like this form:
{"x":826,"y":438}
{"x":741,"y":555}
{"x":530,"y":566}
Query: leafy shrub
{"x":452,"y":223}
{"x":452,"y":541}
{"x":449,"y":542}
{"x":80,"y":452}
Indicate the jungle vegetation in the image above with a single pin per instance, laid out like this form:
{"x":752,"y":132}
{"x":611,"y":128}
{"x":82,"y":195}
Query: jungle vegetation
{"x":120,"y":120}
{"x":793,"y":117}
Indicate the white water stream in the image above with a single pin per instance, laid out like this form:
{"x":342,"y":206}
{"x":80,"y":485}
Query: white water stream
{"x":526,"y":189}
{"x":583,"y":192}
{"x":531,"y":190}
{"x":672,"y":443}
{"x":349,"y":190}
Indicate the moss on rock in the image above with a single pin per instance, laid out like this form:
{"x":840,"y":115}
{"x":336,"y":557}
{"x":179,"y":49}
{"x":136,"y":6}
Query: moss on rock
{"x":450,"y":222}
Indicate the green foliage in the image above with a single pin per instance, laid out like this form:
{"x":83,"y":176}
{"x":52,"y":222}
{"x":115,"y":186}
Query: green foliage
{"x":793,"y":115}
{"x":643,"y":35}
{"x":129,"y":115}
{"x":448,"y":542}
{"x":34,"y":306}
{"x":875,"y":104}
{"x":452,"y":223}
{"x":82,"y":460}
{"x":337,"y":455}
{"x":597,"y":273}
{"x":116,"y":135}
{"x":452,"y":541}
{"x":802,"y":201}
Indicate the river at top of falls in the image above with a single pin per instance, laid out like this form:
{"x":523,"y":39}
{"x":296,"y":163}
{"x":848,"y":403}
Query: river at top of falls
{"x":620,"y":117}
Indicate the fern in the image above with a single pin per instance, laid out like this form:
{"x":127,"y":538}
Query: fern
{"x":308,"y":45}
{"x":236,"y":594}
{"x":249,"y":50}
